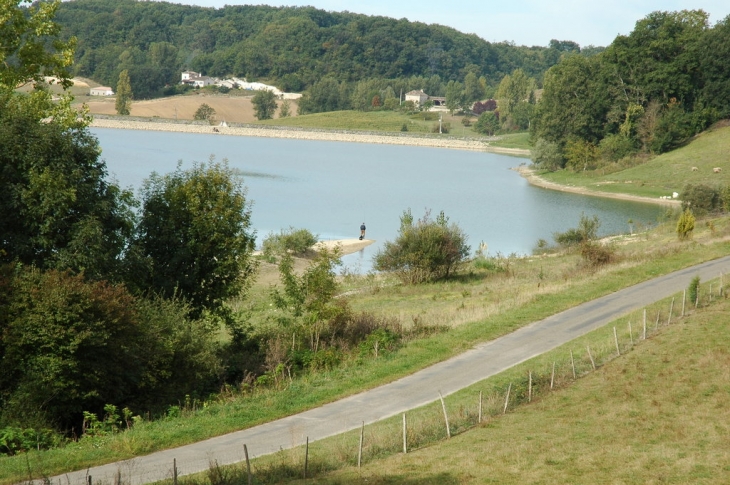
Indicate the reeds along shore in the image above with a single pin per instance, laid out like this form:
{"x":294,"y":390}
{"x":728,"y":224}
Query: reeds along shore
{"x":394,"y":139}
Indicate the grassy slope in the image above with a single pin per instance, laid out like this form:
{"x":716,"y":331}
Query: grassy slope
{"x":462,"y":301}
{"x":667,"y":173}
{"x":658,"y":414}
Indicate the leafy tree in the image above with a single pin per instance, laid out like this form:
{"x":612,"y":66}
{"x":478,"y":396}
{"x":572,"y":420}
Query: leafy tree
{"x":193,"y":238}
{"x":424,"y":251}
{"x":309,"y":299}
{"x":685,"y":225}
{"x":488,"y":123}
{"x":204,"y":113}
{"x":123,"y":101}
{"x":547,"y":155}
{"x":574,"y":102}
{"x":455,"y":98}
{"x":580,"y":155}
{"x":30,"y":47}
{"x":481,"y":106}
{"x":58,"y":211}
{"x":70,"y":345}
{"x":473,"y":89}
{"x":285,"y":110}
{"x":264,"y":104}
{"x":512,"y":90}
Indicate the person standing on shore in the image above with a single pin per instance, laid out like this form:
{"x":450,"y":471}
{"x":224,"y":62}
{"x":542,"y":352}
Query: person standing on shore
{"x":362,"y":231}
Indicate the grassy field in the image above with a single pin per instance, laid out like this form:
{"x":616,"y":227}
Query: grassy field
{"x":488,"y":300}
{"x":657,"y":413}
{"x":665,"y":174}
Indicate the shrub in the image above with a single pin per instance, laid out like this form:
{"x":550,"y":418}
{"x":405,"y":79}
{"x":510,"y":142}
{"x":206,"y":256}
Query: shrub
{"x":701,"y":199}
{"x":587,"y":230}
{"x":597,"y":254}
{"x":424,"y":251}
{"x":685,"y":225}
{"x":693,"y":290}
{"x":294,"y":241}
{"x":204,"y":113}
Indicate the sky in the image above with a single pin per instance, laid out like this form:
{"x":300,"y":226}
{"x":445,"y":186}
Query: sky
{"x":524,"y":22}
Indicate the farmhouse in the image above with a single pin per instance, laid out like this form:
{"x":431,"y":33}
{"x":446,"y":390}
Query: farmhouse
{"x":417,"y":96}
{"x":101,"y":91}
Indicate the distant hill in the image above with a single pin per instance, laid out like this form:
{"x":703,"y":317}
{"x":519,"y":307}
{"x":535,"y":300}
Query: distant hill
{"x":292,"y":47}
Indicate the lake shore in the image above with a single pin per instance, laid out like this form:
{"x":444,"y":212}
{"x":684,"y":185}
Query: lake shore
{"x":538,"y":181}
{"x":301,"y":134}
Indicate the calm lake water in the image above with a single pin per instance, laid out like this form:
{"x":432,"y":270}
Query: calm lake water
{"x":330,"y":188}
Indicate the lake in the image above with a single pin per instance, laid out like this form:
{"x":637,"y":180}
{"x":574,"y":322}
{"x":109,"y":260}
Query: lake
{"x":330,"y":188}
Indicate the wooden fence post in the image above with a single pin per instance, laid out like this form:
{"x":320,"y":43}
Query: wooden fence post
{"x":656,"y":324}
{"x":248,"y":464}
{"x":405,"y":442}
{"x":506,"y":400}
{"x":671,"y":308}
{"x":615,"y":339}
{"x":359,"y":450}
{"x":306,"y":458}
{"x":684,"y":297}
{"x":88,"y":480}
{"x":479,"y":420}
{"x":529,"y":388}
{"x":174,"y":471}
{"x":552,"y":377}
{"x":631,"y":333}
{"x":572,"y":363}
{"x":593,"y":362}
{"x":446,"y":416}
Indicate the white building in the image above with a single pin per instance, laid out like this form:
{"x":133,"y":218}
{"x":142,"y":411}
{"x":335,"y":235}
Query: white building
{"x":101,"y":91}
{"x":418,"y":97}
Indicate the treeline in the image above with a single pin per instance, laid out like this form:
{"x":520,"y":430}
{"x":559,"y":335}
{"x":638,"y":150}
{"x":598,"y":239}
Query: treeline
{"x":648,"y":92}
{"x":293,"y":47}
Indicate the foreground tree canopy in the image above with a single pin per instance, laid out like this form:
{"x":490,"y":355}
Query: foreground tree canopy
{"x":100,"y":306}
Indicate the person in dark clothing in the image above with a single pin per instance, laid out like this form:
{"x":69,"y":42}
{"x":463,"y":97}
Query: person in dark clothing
{"x":362,"y":231}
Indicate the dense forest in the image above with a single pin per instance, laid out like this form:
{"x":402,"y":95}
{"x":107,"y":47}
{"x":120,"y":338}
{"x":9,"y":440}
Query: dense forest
{"x":648,"y":92}
{"x":292,"y":47}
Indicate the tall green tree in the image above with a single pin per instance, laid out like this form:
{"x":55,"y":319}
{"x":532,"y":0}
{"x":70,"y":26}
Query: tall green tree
{"x":264,"y":104}
{"x":123,"y":102}
{"x":30,"y":44}
{"x":56,"y":209}
{"x":194,"y":238}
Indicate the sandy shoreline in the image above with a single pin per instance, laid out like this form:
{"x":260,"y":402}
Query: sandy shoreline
{"x":389,"y":139}
{"x":538,"y":181}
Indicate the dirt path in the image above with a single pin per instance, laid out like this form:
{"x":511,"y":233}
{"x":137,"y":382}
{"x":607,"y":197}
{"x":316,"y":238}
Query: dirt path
{"x":479,"y":363}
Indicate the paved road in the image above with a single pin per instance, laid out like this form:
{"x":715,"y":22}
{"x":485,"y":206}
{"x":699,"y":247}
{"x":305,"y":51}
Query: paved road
{"x":410,"y":392}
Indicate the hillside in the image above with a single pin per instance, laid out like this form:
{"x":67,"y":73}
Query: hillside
{"x":290,"y":46}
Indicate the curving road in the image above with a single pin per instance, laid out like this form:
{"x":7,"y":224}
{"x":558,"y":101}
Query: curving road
{"x":410,"y":392}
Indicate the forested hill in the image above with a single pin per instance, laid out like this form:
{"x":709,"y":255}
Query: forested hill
{"x":292,"y":47}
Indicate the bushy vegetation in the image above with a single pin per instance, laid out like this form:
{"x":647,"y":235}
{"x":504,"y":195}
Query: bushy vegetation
{"x":293,"y":47}
{"x":648,"y":92}
{"x":425,"y":250}
{"x":292,"y":241}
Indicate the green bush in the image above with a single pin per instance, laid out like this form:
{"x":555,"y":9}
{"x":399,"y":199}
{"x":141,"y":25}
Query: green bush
{"x":293,"y":241}
{"x":701,"y":199}
{"x":685,"y":225}
{"x":693,"y":290}
{"x":425,"y":251}
{"x":587,"y":230}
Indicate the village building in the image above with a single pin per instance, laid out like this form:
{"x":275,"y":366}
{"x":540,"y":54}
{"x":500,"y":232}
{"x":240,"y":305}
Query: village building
{"x":101,"y":91}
